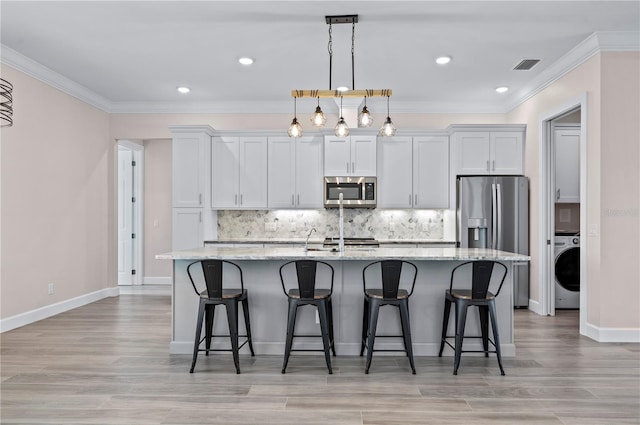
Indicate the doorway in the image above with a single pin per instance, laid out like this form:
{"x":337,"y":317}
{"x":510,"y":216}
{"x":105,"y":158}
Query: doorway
{"x":130,"y":210}
{"x":550,"y":122}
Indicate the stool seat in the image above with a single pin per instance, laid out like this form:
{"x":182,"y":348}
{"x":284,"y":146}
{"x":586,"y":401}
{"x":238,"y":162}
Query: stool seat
{"x":318,"y":294}
{"x":378,"y":294}
{"x":466,"y":294}
{"x":226,"y":293}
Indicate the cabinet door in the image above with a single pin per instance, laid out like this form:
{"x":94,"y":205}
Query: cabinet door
{"x":567,"y":164}
{"x":281,"y":172}
{"x":225,"y":177}
{"x":363,"y":156}
{"x":507,"y":153}
{"x":187,"y":230}
{"x":309,"y":172}
{"x":189,"y":167}
{"x":253,"y":172}
{"x":395,"y":174}
{"x":473,"y":151}
{"x":431,"y":172}
{"x":337,"y":156}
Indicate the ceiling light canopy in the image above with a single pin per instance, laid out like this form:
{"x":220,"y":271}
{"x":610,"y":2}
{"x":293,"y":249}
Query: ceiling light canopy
{"x":364,"y":117}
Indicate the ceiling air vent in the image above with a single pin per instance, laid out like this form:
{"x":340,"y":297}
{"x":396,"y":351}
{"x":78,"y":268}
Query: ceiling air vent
{"x":526,"y":64}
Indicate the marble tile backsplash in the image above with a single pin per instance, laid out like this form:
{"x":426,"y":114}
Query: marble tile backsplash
{"x":358,"y":222}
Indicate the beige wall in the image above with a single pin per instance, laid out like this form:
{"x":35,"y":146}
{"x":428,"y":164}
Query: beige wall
{"x":611,"y":83}
{"x":157,"y":206}
{"x":55,"y":198}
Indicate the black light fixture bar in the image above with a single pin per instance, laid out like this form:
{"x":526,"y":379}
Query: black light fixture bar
{"x":341,"y":19}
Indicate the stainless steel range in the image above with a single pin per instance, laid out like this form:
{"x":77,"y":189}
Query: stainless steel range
{"x":351,"y":243}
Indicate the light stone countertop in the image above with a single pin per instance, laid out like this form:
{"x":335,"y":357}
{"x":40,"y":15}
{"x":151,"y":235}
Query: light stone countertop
{"x":325,"y":254}
{"x":320,"y":241}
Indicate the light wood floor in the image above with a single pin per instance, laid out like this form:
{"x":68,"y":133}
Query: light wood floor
{"x":108,"y":363}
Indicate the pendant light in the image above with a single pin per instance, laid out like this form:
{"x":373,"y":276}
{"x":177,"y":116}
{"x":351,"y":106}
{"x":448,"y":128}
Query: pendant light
{"x":318,"y":119}
{"x":295,"y":129}
{"x":342,"y":129}
{"x":364,"y":118}
{"x":388,"y":129}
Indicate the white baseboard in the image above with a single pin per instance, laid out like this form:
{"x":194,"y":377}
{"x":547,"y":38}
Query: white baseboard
{"x":612,"y":334}
{"x":145,"y":289}
{"x":158,"y":280}
{"x":536,"y":307}
{"x":32,"y":316}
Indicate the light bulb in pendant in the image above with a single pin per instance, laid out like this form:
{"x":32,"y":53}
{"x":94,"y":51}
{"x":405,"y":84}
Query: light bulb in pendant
{"x":295,"y":129}
{"x":342,"y":129}
{"x":388,"y":129}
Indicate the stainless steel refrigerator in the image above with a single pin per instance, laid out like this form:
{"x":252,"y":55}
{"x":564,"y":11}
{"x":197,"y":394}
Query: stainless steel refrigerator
{"x":493,"y":212}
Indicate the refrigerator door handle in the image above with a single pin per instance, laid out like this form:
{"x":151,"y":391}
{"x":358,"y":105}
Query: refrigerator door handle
{"x":499,"y":214}
{"x":494,"y":215}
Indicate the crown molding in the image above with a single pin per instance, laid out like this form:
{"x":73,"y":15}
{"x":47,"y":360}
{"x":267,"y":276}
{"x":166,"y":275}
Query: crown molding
{"x":605,"y":41}
{"x":48,"y":76}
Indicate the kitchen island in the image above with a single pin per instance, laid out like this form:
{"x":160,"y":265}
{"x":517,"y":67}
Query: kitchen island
{"x":268,"y":304}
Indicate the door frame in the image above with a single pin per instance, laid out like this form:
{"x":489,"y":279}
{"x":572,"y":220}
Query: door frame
{"x":137,"y":225}
{"x":546,"y":199}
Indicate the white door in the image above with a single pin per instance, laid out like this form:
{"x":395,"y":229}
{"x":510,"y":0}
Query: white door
{"x":225,"y":166}
{"x":281,"y":180}
{"x":337,"y":156}
{"x":309,"y":172}
{"x":363,"y":156}
{"x":395,"y":172}
{"x":473,"y":151}
{"x":507,"y":151}
{"x":125,"y":216}
{"x":253,"y":172}
{"x":431,"y":172}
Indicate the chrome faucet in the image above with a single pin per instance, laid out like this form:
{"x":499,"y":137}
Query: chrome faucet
{"x":306,"y":243}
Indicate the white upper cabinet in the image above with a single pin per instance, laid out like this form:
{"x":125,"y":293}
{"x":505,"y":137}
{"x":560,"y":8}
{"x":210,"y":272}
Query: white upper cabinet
{"x":567,"y":164}
{"x":489,"y":152}
{"x":395,"y":172}
{"x":239,"y":172}
{"x":350,"y":156}
{"x":431,"y":172}
{"x":295,"y":172}
{"x":413,"y":172}
{"x":190,"y":168}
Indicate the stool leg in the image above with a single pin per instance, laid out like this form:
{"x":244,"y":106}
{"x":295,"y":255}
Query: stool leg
{"x":496,"y":335}
{"x":445,"y":324}
{"x":461,"y":319}
{"x":291,"y":324}
{"x":365,"y":325}
{"x":374,"y":306}
{"x":196,"y":344}
{"x":331,"y":339}
{"x":209,"y":312}
{"x":232,"y":318}
{"x":483,"y":312}
{"x":247,"y":322}
{"x":324,"y":327}
{"x":406,"y":332}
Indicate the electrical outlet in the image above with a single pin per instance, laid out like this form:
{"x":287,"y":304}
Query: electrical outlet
{"x":270,"y":227}
{"x":51,"y":289}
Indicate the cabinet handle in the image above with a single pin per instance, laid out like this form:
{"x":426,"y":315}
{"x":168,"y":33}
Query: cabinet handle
{"x":199,"y":198}
{"x":557,"y":194}
{"x":200,"y":216}
{"x":415,"y":198}
{"x":298,"y":199}
{"x":292,"y":202}
{"x":347,"y":168}
{"x":409,"y":199}
{"x":488,"y":169}
{"x":493,"y":165}
{"x":235,"y":200}
{"x":241,"y":199}
{"x":353,"y":167}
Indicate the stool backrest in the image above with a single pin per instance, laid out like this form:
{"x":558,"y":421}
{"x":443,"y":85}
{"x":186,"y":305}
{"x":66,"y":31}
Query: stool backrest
{"x":481,"y":276}
{"x":306,"y":276}
{"x":391,"y":271}
{"x":212,"y":271}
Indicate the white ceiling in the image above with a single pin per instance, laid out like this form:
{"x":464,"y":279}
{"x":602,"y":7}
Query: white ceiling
{"x":133,"y":54}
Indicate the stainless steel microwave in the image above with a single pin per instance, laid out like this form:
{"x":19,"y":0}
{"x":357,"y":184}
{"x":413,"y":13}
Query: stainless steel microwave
{"x":357,"y":192}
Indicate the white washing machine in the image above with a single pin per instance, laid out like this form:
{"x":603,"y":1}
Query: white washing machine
{"x":567,"y":271}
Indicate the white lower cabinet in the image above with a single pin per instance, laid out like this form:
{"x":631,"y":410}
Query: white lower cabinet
{"x":295,"y":172}
{"x":413,"y":172}
{"x":238,"y":172}
{"x":188,"y":228}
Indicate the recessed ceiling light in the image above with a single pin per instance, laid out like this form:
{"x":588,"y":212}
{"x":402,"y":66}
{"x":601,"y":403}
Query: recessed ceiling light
{"x":246,"y":61}
{"x":443,"y":60}
{"x":343,"y":88}
{"x":184,"y":90}
{"x":502,"y":89}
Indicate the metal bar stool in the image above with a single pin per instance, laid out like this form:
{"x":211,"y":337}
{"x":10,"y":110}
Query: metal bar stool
{"x":389,"y":294}
{"x":213,"y":295}
{"x":479,"y":295}
{"x":305,"y":292}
